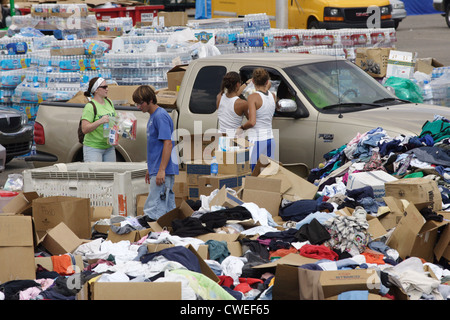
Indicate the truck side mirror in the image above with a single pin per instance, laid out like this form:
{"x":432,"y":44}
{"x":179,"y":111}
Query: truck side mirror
{"x":287,"y":105}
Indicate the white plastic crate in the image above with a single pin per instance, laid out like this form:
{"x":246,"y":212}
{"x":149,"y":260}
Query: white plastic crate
{"x":113,"y":184}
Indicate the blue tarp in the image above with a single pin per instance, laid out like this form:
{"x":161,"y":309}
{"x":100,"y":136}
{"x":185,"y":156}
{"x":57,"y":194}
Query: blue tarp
{"x":416,"y":7}
{"x":203,"y":9}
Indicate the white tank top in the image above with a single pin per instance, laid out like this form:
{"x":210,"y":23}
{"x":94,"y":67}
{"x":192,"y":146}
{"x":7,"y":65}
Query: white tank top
{"x":264,"y":115}
{"x":228,"y":119}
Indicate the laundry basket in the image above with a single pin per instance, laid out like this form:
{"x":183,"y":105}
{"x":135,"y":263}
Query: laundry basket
{"x":113,"y":184}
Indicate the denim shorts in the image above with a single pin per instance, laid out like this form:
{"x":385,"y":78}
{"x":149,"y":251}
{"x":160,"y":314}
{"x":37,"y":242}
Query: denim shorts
{"x":99,"y":155}
{"x":161,"y":199}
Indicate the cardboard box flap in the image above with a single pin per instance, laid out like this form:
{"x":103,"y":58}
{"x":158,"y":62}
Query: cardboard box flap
{"x":262,"y":184}
{"x":442,"y":246}
{"x":21,"y":204}
{"x":293,"y":186}
{"x":218,"y":237}
{"x":136,"y":291}
{"x":103,"y":212}
{"x":292,"y":259}
{"x":403,"y":237}
{"x":225,"y":199}
{"x":165,"y":221}
{"x":61,"y":239}
{"x":16,"y":231}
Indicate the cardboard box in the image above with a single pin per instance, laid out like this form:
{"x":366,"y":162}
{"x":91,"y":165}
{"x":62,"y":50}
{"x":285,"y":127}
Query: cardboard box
{"x":293,"y":187}
{"x":290,"y":285}
{"x":374,"y":61}
{"x":226,"y":199}
{"x":132,"y":236}
{"x":135,"y":291}
{"x":140,"y":203}
{"x":264,"y":192}
{"x":390,"y":218}
{"x":175,"y":77}
{"x":426,"y":65}
{"x":375,"y":179}
{"x":207,"y":184}
{"x":416,"y":190}
{"x":401,"y":64}
{"x":414,"y":236}
{"x":172,"y":19}
{"x":75,"y":212}
{"x":376,"y":229}
{"x":47,"y":263}
{"x":198,"y":148}
{"x":119,"y":95}
{"x":21,"y":204}
{"x":16,"y":248}
{"x":61,"y":240}
{"x":100,"y":213}
{"x":165,"y":221}
{"x":336,"y":282}
{"x":167,"y":98}
{"x":67,"y":52}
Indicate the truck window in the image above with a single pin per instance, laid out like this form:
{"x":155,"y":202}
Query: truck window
{"x":205,"y":89}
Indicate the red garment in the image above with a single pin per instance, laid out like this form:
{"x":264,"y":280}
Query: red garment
{"x":282,"y":252}
{"x":318,"y":252}
{"x":373,"y":256}
{"x":225,"y":281}
{"x":243,"y":287}
{"x":63,"y":265}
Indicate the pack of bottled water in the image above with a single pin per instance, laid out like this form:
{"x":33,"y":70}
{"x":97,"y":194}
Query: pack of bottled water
{"x":256,"y":22}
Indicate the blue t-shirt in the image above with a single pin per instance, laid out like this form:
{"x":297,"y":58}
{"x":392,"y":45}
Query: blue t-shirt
{"x":160,"y":128}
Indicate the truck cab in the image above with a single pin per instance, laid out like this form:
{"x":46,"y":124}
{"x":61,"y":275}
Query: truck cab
{"x":313,"y":14}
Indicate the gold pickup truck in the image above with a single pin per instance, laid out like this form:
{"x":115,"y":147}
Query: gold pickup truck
{"x":327,"y":102}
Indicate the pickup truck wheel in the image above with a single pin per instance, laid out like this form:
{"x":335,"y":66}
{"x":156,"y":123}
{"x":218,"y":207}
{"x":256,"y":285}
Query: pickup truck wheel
{"x":447,"y":16}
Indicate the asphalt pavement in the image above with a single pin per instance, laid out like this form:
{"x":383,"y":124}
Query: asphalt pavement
{"x":428,"y":35}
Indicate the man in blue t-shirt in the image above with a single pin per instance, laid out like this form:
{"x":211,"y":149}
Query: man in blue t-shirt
{"x":162,"y":160}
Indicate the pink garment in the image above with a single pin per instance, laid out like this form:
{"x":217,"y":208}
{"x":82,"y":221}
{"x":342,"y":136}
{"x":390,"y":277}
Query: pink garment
{"x":32,"y":292}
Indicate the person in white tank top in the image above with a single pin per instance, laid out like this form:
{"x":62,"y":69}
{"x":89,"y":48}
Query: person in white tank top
{"x":261,"y":108}
{"x":230,"y":108}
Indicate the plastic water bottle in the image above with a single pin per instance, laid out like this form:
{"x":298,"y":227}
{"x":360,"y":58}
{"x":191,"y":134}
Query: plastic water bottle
{"x":427,"y":92}
{"x":214,"y":166}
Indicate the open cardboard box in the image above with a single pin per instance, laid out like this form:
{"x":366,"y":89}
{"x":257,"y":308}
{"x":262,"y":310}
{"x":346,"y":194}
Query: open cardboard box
{"x":290,"y":285}
{"x":165,"y":221}
{"x":21,"y":204}
{"x":376,"y":229}
{"x":146,"y":290}
{"x":414,"y":236}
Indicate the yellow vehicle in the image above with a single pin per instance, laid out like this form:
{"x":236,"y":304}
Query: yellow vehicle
{"x":312,"y":14}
